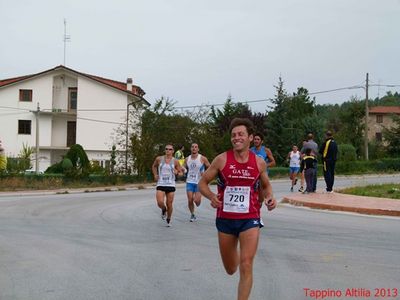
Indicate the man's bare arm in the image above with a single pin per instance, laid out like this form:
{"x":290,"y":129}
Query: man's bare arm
{"x":154,"y":168}
{"x":205,"y":162}
{"x":208,"y":176}
{"x":266,"y":193}
{"x":178,"y":168}
{"x":271,"y":159}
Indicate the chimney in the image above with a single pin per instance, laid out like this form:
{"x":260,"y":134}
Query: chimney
{"x":129,"y":84}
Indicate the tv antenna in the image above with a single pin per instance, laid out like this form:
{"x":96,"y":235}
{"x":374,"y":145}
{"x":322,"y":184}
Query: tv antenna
{"x":67,"y":38}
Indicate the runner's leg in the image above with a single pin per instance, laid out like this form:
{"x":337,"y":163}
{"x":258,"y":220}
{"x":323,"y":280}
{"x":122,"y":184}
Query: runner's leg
{"x":248,"y":247}
{"x":190,"y":201}
{"x":229,"y":253}
{"x":170,"y":199}
{"x":160,"y":199}
{"x":197,"y":198}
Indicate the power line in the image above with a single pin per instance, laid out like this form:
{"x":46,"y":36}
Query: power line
{"x":15,"y":108}
{"x":269,"y":99}
{"x":386,"y":85}
{"x":12,"y":114}
{"x":100,"y":121}
{"x":338,"y":89}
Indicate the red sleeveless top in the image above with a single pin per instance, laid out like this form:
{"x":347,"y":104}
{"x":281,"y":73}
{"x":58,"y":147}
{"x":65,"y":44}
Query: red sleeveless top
{"x":238,"y":185}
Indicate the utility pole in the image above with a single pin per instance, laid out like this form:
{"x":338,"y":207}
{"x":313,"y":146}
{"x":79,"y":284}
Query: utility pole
{"x":366,"y":119}
{"x":37,"y":139}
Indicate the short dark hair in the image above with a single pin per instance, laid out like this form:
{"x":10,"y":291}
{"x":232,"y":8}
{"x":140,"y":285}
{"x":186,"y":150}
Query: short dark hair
{"x":242,"y":122}
{"x":308,"y":151}
{"x":329,"y":133}
{"x":260,"y":135}
{"x":310,"y":136}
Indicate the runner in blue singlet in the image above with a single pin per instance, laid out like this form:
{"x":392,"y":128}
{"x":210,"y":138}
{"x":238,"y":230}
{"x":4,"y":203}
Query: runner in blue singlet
{"x":260,"y":150}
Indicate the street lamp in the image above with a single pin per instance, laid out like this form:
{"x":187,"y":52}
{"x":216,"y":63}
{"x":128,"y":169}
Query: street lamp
{"x":36,"y":113}
{"x":366,"y":120}
{"x":127,"y":136}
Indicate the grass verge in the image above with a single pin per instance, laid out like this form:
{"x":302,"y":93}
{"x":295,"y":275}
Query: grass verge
{"x":377,"y":190}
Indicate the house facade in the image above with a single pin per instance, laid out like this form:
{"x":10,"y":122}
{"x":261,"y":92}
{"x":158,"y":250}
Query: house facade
{"x":378,"y":118}
{"x":57,"y":108}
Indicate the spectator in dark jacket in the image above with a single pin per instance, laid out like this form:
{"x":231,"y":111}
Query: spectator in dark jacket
{"x":307,"y":164}
{"x":329,"y":152}
{"x":314,"y":152}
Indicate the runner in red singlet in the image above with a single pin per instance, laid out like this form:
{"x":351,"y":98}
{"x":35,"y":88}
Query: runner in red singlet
{"x":243,"y":185}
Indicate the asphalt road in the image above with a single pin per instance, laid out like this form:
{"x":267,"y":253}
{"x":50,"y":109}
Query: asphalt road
{"x":113,"y":245}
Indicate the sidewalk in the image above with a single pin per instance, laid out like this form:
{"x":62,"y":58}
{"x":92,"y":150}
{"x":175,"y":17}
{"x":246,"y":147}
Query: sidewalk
{"x":344,"y":202}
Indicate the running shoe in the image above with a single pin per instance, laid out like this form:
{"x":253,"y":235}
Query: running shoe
{"x":168,"y":222}
{"x":163,"y":213}
{"x":301,"y":189}
{"x":192,"y":218}
{"x":291,"y":189}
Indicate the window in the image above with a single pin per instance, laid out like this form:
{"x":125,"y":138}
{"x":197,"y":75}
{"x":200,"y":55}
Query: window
{"x":24,"y":126}
{"x":72,"y":98}
{"x":25,"y":95}
{"x":71,"y":133}
{"x":378,"y":136}
{"x":379,"y":119}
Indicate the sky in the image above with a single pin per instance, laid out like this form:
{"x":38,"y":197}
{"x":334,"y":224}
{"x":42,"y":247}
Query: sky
{"x":200,"y":52}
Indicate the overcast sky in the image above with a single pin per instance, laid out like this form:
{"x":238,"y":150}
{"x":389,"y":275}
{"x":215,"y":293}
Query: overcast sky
{"x":198,"y":52}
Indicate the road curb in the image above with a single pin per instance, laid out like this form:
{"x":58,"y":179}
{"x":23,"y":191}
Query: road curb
{"x":348,"y":203}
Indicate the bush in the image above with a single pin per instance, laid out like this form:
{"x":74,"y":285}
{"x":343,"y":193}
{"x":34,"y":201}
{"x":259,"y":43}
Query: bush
{"x":10,"y":182}
{"x":55,"y":169}
{"x":17,"y":165}
{"x":372,"y":166}
{"x":376,"y":150}
{"x":75,"y":163}
{"x":66,"y":164}
{"x":278,"y":172}
{"x":391,"y":164}
{"x":347,"y":152}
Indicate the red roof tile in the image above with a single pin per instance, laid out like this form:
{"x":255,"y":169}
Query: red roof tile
{"x":385,"y":110}
{"x":122,"y":86}
{"x":12,"y":80}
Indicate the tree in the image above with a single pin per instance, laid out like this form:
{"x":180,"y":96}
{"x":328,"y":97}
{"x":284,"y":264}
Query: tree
{"x":390,"y":99}
{"x":352,"y":120}
{"x":330,"y":114}
{"x":392,"y":137}
{"x":289,"y":120}
{"x":220,"y":120}
{"x":151,"y":128}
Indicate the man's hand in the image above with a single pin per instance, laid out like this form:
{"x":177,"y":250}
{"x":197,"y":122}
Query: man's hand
{"x":270,"y":202}
{"x":215,"y":202}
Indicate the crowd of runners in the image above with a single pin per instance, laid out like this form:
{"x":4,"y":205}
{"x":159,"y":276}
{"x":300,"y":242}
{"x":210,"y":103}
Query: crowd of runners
{"x":243,"y":187}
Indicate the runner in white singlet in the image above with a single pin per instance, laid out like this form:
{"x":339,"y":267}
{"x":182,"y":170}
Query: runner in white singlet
{"x":294,"y":158}
{"x":195,"y":165}
{"x":165,"y":168}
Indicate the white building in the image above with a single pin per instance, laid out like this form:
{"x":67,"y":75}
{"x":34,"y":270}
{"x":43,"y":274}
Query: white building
{"x":75,"y":108}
